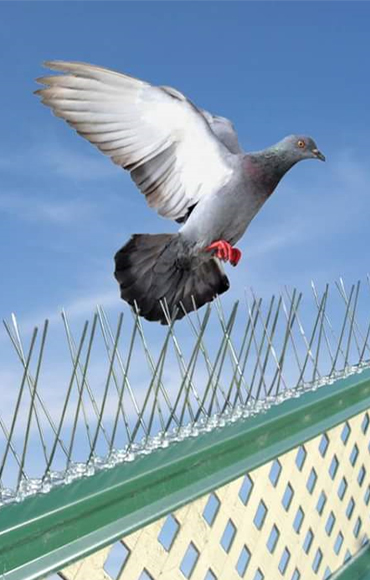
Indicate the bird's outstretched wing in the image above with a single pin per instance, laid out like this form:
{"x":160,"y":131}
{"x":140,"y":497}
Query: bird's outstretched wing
{"x":224,"y":130}
{"x":156,"y":133}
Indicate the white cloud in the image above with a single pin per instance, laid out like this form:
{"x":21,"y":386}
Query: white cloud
{"x":32,"y":208}
{"x":78,"y":307}
{"x":314,"y":210}
{"x":77,"y":161}
{"x":351,"y":172}
{"x":84,"y":305}
{"x":71,"y":163}
{"x":273,"y":243}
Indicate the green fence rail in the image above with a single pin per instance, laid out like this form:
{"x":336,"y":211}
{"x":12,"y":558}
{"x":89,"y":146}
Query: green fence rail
{"x":122,"y":448}
{"x":68,"y":523}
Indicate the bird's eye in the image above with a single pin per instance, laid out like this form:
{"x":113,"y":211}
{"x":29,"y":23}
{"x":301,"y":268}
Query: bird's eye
{"x":301,"y":144}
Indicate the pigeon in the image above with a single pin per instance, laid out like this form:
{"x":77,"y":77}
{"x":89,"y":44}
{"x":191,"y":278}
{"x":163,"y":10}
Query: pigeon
{"x":189,"y":165}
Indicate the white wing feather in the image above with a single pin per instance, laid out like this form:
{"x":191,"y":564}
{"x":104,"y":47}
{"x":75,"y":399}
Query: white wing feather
{"x":154,"y":132}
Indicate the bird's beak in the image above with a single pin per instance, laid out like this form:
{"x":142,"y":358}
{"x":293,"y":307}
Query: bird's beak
{"x":318,"y":154}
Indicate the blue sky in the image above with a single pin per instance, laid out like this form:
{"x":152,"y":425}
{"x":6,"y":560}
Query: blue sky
{"x":273,"y":68}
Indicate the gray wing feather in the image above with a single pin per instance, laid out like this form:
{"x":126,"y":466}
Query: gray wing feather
{"x":224,"y":130}
{"x":156,"y":133}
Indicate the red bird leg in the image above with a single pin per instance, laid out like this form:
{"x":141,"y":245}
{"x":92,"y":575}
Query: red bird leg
{"x":225,"y":252}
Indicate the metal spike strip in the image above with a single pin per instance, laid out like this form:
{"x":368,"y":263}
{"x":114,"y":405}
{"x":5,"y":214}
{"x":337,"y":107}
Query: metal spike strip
{"x":217,"y":362}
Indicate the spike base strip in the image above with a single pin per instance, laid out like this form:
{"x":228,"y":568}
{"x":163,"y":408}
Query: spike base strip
{"x":46,"y":532}
{"x":357,"y":569}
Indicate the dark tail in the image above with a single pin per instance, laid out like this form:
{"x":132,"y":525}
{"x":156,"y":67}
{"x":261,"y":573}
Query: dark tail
{"x":152,"y":269}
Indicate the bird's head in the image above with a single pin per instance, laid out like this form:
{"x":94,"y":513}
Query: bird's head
{"x":274,"y":162}
{"x":299,"y":147}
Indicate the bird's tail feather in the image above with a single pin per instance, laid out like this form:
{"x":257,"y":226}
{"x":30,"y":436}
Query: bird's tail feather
{"x":152,"y":271}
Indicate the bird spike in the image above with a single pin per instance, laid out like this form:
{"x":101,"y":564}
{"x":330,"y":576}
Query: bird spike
{"x":130,"y":388}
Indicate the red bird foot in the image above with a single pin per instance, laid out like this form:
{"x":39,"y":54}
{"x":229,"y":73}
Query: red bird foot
{"x":235,"y":256}
{"x":225,"y":252}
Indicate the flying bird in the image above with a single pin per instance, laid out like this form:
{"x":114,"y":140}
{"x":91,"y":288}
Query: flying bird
{"x":189,"y":165}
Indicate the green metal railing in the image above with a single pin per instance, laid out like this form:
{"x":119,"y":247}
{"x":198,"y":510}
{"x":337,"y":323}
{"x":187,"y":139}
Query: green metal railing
{"x":70,"y":522}
{"x":358,"y":568}
{"x":113,"y":457}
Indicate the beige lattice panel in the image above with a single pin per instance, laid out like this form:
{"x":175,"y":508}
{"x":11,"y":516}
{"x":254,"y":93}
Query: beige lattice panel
{"x":299,"y":517}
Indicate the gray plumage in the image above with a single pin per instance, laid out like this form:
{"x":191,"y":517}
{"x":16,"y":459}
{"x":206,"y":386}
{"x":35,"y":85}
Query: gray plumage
{"x":189,"y":165}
